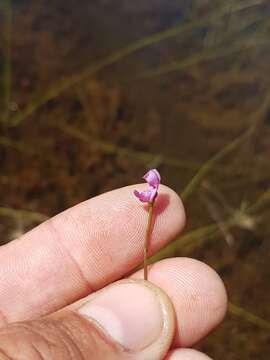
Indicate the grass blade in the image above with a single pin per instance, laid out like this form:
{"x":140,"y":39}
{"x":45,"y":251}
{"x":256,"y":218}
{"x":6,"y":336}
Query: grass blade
{"x":6,"y":9}
{"x":209,"y":164}
{"x":180,"y":30}
{"x":248,"y":316}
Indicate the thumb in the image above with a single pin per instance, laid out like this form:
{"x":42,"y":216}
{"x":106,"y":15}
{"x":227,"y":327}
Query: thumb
{"x":130,"y":319}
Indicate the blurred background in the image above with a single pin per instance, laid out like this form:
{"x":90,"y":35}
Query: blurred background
{"x":92,"y":93}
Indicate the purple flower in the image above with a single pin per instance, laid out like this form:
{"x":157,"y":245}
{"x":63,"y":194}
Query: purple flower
{"x":152,"y":177}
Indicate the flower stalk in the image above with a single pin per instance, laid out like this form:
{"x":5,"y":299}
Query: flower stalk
{"x":152,"y":177}
{"x":147,"y":238}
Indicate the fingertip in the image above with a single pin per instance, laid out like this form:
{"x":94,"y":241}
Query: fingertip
{"x":134,"y":314}
{"x":199,"y":296}
{"x":186,"y":354}
{"x":197,"y":293}
{"x":90,"y":245}
{"x":176,"y":206}
{"x":169,"y":212}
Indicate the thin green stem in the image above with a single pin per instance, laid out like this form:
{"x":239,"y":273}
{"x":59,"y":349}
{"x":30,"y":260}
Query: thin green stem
{"x":143,"y":156}
{"x":181,"y":30}
{"x":6,"y":64}
{"x":255,"y":118}
{"x":204,"y":56}
{"x":198,"y":237}
{"x":147,"y":238}
{"x":191,"y":238}
{"x":262,"y":200}
{"x":207,"y":166}
{"x":233,"y":42}
{"x":16,"y":145}
{"x":22,"y":214}
{"x":248,"y":316}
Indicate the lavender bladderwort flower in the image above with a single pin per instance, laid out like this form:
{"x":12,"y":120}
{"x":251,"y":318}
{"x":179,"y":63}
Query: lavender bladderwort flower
{"x":152,"y":177}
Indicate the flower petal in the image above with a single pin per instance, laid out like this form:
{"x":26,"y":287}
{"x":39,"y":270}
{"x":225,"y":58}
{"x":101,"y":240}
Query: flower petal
{"x":147,"y":195}
{"x":152,"y":177}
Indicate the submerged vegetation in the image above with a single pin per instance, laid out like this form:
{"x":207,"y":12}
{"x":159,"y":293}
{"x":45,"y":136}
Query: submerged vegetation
{"x":193,"y":80}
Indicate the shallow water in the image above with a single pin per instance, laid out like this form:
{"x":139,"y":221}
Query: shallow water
{"x":92,"y":95}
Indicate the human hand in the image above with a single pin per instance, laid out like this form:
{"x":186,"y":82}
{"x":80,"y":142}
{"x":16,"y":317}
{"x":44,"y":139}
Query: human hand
{"x":50,"y":298}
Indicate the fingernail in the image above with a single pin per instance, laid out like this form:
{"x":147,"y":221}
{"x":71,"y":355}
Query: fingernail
{"x":130,"y":313}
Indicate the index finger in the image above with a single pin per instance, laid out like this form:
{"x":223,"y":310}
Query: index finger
{"x":81,"y":250}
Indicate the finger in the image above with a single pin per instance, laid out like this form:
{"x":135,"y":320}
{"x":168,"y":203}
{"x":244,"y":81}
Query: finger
{"x":128,"y":320}
{"x":186,"y":354}
{"x":81,"y":250}
{"x":197,"y":293}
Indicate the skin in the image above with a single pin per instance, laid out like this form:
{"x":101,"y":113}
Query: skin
{"x":51,"y":271}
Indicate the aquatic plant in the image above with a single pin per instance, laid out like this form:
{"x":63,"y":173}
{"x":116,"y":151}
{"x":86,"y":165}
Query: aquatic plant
{"x":229,"y":30}
{"x":179,"y":31}
{"x":152,"y":177}
{"x":5,"y":71}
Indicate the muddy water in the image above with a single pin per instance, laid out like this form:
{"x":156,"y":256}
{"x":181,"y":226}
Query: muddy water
{"x":92,"y":93}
